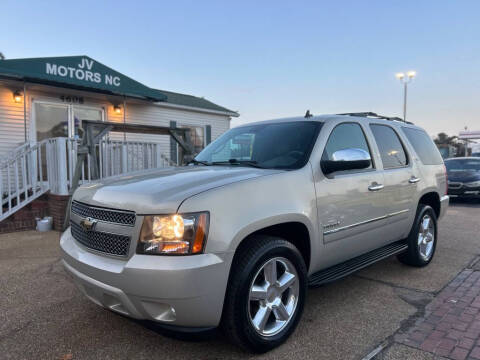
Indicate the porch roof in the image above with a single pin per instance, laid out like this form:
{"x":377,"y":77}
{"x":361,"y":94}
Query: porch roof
{"x":79,"y":72}
{"x":84,"y":73}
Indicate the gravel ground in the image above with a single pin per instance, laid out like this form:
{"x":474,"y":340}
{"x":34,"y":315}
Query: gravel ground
{"x":43,"y":316}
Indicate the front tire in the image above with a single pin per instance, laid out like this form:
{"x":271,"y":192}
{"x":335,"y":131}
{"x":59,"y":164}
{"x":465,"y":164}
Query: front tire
{"x":266,"y":293}
{"x":422,"y":240}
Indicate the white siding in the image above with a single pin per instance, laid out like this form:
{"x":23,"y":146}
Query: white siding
{"x":12,"y":119}
{"x":12,"y":129}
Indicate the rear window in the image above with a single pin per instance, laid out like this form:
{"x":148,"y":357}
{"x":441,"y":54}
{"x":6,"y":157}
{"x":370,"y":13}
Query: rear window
{"x":424,"y":146}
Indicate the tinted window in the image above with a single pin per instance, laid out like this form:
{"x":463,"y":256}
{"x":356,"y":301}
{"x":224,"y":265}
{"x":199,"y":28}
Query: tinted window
{"x":345,"y":136}
{"x":424,"y":146}
{"x":391,"y":149}
{"x":285,"y":145}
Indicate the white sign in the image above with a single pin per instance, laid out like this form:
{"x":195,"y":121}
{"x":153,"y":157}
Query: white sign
{"x":82,"y":72}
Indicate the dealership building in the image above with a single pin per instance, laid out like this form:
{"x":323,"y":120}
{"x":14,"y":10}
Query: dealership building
{"x":43,"y":102}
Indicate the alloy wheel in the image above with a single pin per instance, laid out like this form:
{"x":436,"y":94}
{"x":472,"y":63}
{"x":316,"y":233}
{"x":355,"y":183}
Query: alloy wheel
{"x":273,"y":296}
{"x":426,"y":237}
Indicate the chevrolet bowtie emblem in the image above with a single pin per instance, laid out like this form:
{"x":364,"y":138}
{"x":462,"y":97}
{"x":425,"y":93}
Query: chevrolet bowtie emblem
{"x":88,"y":224}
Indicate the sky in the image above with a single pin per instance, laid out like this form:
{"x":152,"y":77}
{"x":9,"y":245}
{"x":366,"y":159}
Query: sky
{"x":271,"y":59}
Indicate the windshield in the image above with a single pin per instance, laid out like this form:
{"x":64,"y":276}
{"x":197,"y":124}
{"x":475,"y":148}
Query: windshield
{"x":285,"y":145}
{"x":463,"y":164}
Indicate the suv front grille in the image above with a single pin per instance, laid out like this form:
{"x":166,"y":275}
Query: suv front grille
{"x":112,"y":216}
{"x":113,"y":244}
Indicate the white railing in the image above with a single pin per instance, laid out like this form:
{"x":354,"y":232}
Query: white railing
{"x":113,"y":158}
{"x":24,"y":176}
{"x":123,"y":157}
{"x":31,"y":170}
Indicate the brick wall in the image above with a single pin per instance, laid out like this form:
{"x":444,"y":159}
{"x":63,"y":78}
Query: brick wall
{"x":24,"y":219}
{"x":46,"y":205}
{"x":57,"y":205}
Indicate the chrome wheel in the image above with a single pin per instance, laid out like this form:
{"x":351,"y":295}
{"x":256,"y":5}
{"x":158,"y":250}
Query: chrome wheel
{"x":273,"y":296}
{"x":426,"y":237}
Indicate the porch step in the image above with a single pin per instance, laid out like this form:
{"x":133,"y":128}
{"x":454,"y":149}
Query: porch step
{"x":346,"y":268}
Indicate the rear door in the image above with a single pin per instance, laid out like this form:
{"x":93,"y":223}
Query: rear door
{"x":401,"y":178}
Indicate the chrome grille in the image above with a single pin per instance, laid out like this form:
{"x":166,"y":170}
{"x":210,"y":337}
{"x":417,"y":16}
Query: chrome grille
{"x":113,"y":244}
{"x":113,"y":216}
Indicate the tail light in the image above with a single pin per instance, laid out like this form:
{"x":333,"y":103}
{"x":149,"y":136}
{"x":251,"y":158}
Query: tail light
{"x":446,"y":179}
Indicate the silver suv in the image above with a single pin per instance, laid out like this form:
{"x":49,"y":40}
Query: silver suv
{"x":235,"y":238}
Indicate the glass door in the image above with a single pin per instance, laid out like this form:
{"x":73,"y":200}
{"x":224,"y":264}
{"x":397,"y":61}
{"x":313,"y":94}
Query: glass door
{"x":61,"y":120}
{"x":80,"y":113}
{"x":51,"y":120}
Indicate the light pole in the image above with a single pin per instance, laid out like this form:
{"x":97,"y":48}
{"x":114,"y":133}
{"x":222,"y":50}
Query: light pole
{"x":405,"y":78}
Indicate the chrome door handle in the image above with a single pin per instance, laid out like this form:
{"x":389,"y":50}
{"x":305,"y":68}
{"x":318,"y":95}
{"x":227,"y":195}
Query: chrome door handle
{"x":413,"y":180}
{"x":375,"y":187}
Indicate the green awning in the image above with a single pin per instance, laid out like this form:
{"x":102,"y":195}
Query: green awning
{"x":80,"y":72}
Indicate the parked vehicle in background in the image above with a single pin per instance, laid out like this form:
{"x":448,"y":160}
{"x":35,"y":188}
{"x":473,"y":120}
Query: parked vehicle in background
{"x":476,"y":154}
{"x":463,"y":177}
{"x":264,"y":211}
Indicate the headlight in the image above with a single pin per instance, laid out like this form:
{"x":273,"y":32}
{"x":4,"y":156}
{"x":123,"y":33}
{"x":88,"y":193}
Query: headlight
{"x":178,"y":234}
{"x":472,"y":184}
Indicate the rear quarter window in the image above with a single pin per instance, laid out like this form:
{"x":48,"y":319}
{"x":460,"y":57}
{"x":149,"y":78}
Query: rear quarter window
{"x":424,"y":146}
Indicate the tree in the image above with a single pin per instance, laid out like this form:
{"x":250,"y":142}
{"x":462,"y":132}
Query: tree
{"x":444,"y":139}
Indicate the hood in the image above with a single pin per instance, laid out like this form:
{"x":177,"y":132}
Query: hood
{"x":463,"y":175}
{"x":162,"y":191}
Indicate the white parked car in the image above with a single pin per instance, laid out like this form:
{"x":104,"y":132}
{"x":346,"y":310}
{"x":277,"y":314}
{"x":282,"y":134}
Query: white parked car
{"x":266,"y":210}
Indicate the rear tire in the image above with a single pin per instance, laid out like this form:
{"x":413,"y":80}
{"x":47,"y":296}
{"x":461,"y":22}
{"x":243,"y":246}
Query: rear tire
{"x":422,"y":240}
{"x":266,"y":294}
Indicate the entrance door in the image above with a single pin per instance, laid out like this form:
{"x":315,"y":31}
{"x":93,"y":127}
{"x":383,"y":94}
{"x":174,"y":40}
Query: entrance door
{"x":51,"y":120}
{"x":80,"y":113}
{"x":61,"y":120}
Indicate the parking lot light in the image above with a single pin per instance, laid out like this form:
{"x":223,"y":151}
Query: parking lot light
{"x":405,"y":78}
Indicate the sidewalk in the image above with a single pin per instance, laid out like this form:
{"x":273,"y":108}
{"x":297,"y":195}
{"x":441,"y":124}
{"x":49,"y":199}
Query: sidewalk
{"x":450,"y":327}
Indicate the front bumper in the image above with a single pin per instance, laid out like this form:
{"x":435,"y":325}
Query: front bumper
{"x":464,"y":192}
{"x":185,"y":291}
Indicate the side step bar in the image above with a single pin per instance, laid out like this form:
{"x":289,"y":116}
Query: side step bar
{"x":346,"y":268}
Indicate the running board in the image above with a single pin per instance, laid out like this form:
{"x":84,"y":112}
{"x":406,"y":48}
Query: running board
{"x":346,"y":268}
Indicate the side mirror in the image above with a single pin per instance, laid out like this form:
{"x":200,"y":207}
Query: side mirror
{"x":346,"y":159}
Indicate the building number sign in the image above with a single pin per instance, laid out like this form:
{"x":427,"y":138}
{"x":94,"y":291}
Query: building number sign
{"x":71,"y":99}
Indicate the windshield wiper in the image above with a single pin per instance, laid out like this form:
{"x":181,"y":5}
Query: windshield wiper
{"x":251,"y":163}
{"x":196,"y":162}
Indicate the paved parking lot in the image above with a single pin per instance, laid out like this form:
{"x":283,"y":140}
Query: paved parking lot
{"x":43,"y":316}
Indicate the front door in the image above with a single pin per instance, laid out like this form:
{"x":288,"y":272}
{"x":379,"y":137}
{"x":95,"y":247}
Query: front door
{"x":80,"y":113}
{"x":351,"y":205}
{"x":51,"y":120}
{"x":62,"y":120}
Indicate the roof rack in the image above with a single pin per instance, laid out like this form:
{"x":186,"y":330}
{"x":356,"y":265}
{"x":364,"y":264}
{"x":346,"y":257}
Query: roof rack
{"x":376,"y":116}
